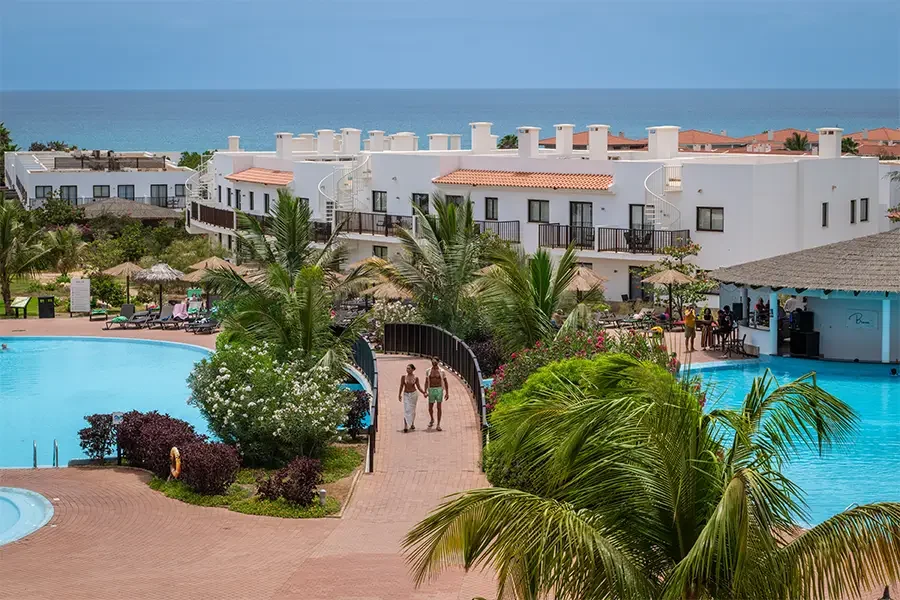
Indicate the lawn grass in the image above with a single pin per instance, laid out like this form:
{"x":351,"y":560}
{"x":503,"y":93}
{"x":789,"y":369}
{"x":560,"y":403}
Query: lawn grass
{"x":284,"y":509}
{"x":337,"y":462}
{"x":179,"y":491}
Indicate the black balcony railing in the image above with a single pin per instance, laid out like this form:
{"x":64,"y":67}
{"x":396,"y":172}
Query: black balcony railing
{"x":372,"y":223}
{"x":640,"y":241}
{"x":214,"y":216}
{"x":553,"y":235}
{"x":507,"y":231}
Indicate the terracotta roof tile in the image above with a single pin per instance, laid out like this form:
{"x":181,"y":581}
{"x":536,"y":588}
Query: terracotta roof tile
{"x":564,"y":181}
{"x":264,"y":176}
{"x":879,"y":150}
{"x":780,"y":135}
{"x":882,"y":134}
{"x":580,"y":139}
{"x":695,"y":136}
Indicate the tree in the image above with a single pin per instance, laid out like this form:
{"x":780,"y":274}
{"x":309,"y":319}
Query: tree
{"x":690,"y":293}
{"x":438,"y":266}
{"x":132,"y":243}
{"x":192,"y":160}
{"x":6,"y":145}
{"x":20,"y":249}
{"x":54,"y":146}
{"x":508,"y":142}
{"x":57,"y":212}
{"x":65,"y":248}
{"x":522,"y":293}
{"x":849,"y":146}
{"x":796,"y":142}
{"x":637,"y":492}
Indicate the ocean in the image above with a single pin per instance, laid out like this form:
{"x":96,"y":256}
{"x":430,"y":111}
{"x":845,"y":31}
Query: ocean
{"x":200,"y":120}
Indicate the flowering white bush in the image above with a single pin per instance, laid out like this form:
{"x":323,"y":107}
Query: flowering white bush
{"x":272,"y":410}
{"x":391,"y":311}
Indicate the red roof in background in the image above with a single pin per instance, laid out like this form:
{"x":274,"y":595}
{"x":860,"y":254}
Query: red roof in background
{"x":881,"y":134}
{"x":780,"y":135}
{"x":879,"y":150}
{"x":264,"y":176}
{"x":580,"y":138}
{"x":527,"y":179}
{"x":695,"y":136}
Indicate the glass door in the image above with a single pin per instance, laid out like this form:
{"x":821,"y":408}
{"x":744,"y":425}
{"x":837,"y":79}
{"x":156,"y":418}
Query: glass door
{"x":581,"y":224}
{"x":636,"y":216}
{"x":159,"y":195}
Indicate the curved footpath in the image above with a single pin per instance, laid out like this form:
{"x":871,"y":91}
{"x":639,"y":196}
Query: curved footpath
{"x":113,"y":537}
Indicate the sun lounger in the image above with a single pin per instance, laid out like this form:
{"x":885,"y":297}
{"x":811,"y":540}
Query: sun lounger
{"x":125,"y":314}
{"x":164,"y":317}
{"x":20,"y":303}
{"x":209,"y":326}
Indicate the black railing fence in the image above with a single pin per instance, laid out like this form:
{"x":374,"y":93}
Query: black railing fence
{"x":428,"y":340}
{"x":372,"y":223}
{"x":640,"y":241}
{"x":364,"y":357}
{"x":507,"y":231}
{"x":553,"y":235}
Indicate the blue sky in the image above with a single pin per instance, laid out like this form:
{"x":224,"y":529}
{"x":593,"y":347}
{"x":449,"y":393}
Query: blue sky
{"x":281,"y":44}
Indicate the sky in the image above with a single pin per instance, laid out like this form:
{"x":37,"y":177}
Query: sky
{"x":362,"y":44}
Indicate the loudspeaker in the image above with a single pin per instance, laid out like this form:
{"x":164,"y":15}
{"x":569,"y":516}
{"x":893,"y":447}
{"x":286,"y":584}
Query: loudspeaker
{"x":737,"y":310}
{"x":805,"y":343}
{"x":803,"y":321}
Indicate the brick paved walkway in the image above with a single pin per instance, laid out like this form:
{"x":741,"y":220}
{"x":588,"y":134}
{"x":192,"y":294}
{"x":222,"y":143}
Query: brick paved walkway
{"x":113,"y":537}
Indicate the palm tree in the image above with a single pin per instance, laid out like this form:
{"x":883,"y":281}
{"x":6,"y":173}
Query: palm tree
{"x":65,"y":248}
{"x":508,"y":142}
{"x":439,"y":263}
{"x":20,"y":249}
{"x":639,"y":493}
{"x":522,"y":293}
{"x":796,"y":142}
{"x":849,"y":146}
{"x":6,"y":145}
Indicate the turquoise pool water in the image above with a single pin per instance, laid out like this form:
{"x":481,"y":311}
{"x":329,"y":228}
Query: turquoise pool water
{"x":864,"y":471}
{"x":48,"y":385}
{"x":21,"y":512}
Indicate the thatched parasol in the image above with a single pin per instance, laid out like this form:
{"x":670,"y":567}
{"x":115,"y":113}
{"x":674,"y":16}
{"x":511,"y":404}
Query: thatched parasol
{"x":585,"y":280}
{"x":159,"y":273}
{"x":215,"y":263}
{"x":387,"y":291}
{"x":195,"y":276}
{"x":128,"y":269}
{"x":668,"y":278}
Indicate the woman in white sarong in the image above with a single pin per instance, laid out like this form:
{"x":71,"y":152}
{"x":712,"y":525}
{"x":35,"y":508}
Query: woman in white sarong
{"x":409,"y":395}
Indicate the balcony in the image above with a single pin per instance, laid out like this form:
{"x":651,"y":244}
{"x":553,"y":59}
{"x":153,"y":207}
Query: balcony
{"x":173,"y":202}
{"x":212,"y":216}
{"x":640,"y":241}
{"x":553,"y":235}
{"x":372,"y":223}
{"x":508,"y":231}
{"x":321,"y":231}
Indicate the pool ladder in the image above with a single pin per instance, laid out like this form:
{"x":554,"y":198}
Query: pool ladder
{"x":55,"y":453}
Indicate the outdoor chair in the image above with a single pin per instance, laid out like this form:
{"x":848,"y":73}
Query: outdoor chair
{"x":209,"y":326}
{"x":139,"y":319}
{"x":125,"y":314}
{"x":736,"y":345}
{"x":165,"y":316}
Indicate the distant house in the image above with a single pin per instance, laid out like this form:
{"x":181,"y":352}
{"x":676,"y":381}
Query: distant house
{"x":774,"y":139}
{"x":614,"y":142}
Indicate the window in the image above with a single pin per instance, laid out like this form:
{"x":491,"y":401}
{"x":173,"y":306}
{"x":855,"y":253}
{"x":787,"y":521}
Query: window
{"x":266,"y":201}
{"x":379,"y":201}
{"x":179,"y":190}
{"x":824,"y":214}
{"x":852,"y":212}
{"x":42,"y":191}
{"x":237,"y":198}
{"x":101,"y":191}
{"x":126,"y":191}
{"x":220,"y":195}
{"x":636,"y":216}
{"x":490,"y":209}
{"x":581,"y":214}
{"x":421,"y":200}
{"x":220,"y":235}
{"x":863,"y":210}
{"x":303,"y":201}
{"x":158,"y":194}
{"x":710,"y":219}
{"x":251,"y":200}
{"x":538,"y":211}
{"x":69,"y":192}
{"x":230,"y":242}
{"x":457,"y":200}
{"x":228,"y":194}
{"x":379,"y":251}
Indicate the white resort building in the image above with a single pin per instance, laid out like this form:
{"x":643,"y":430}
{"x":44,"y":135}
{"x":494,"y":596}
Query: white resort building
{"x":87,"y":176}
{"x":618,"y":207}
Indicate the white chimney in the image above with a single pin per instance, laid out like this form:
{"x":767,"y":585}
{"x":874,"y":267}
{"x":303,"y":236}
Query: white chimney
{"x":598,"y":140}
{"x":325,"y":142}
{"x":376,"y":140}
{"x":234,"y":143}
{"x":564,"y":136}
{"x":455,"y":141}
{"x":305,"y":142}
{"x":662,"y":141}
{"x":528,"y":141}
{"x":829,"y":142}
{"x":723,"y":133}
{"x":283,"y":143}
{"x":481,"y":138}
{"x":366,"y":144}
{"x":350,"y":140}
{"x":437,"y":141}
{"x":771,"y":135}
{"x":415,"y":142}
{"x":403,"y":141}
{"x":865,"y":134}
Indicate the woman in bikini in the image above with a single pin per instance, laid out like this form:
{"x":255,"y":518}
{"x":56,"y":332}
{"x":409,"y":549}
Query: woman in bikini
{"x":409,"y":388}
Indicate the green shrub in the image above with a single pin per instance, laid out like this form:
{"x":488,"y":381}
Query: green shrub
{"x":106,"y":289}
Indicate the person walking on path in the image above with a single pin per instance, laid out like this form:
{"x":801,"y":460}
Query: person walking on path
{"x":409,"y":388}
{"x":438,"y":390}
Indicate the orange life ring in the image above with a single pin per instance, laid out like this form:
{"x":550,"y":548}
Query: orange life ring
{"x":175,"y":463}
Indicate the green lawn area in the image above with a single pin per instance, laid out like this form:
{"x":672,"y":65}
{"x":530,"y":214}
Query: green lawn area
{"x":339,"y":462}
{"x":26,"y":287}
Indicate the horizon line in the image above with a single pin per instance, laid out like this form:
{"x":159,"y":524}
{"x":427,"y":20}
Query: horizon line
{"x":442,"y":89}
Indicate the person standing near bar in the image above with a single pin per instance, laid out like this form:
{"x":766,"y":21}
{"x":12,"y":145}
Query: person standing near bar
{"x":409,"y":388}
{"x":438,"y":390}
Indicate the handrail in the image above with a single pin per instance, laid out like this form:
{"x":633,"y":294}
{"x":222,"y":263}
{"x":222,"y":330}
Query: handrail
{"x":348,"y":176}
{"x":659,"y":205}
{"x":325,"y":199}
{"x":364,"y":357}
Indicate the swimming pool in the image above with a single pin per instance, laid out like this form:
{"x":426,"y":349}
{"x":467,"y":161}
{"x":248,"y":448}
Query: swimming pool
{"x":21,"y":512}
{"x":48,"y":385}
{"x":859,"y":473}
